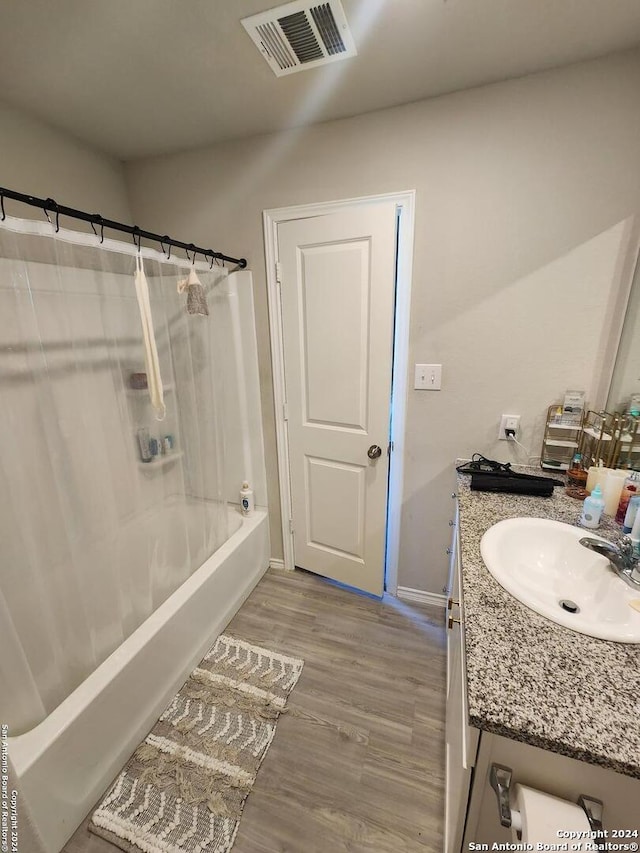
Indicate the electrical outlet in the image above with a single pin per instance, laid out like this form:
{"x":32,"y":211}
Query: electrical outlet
{"x":508,"y":422}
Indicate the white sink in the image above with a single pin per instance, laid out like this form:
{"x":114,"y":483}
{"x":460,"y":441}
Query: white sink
{"x":541,"y":563}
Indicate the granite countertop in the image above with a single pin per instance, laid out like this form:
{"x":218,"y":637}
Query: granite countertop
{"x":532,"y":680}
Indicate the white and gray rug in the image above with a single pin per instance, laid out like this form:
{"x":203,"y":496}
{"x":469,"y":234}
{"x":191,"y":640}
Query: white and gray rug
{"x":184,"y":788}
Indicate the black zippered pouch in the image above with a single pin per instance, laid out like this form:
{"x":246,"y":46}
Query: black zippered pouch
{"x":541,"y":487}
{"x":488,"y":475}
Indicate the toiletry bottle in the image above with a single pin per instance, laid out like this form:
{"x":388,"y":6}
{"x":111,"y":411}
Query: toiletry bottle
{"x":592,"y":509}
{"x":612,"y":489}
{"x":143,"y":444}
{"x":577,"y":479}
{"x":247,"y":503}
{"x":629,"y":489}
{"x":596,"y":474}
{"x":630,"y":516}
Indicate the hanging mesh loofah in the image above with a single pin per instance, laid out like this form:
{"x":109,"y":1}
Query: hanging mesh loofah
{"x":196,"y":298}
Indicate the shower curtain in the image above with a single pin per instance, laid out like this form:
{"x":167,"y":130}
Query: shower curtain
{"x":92,"y":538}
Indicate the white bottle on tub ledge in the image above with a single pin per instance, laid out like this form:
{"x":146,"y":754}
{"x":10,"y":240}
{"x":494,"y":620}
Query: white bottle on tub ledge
{"x":247,"y":501}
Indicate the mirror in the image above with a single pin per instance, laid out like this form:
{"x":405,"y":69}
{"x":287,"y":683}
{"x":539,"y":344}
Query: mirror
{"x":625,"y":380}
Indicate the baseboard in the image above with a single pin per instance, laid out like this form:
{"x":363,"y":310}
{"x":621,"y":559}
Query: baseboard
{"x":276,"y":563}
{"x":421,"y":596}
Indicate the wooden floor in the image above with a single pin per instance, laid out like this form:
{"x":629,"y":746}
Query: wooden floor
{"x":358,"y":762}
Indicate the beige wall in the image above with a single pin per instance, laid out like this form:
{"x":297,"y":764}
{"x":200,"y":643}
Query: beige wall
{"x":38,"y":160}
{"x":526,"y":196}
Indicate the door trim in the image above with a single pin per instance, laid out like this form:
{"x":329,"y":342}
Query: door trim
{"x":405,"y":202}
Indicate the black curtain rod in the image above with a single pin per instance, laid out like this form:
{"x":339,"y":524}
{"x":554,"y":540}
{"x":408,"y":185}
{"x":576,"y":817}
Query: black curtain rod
{"x":49,"y":204}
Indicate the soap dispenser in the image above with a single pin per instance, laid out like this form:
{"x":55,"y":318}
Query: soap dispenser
{"x":592,"y":509}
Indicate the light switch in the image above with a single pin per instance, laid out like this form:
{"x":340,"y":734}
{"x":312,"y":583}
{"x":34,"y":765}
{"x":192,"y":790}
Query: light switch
{"x":428,"y":377}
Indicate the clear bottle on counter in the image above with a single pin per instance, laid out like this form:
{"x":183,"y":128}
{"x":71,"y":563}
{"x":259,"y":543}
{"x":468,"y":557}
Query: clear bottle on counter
{"x":577,"y":479}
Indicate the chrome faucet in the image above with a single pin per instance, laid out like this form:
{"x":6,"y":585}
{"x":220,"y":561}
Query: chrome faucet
{"x":623,"y":558}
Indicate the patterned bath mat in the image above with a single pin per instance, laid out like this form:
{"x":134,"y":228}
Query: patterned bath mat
{"x":184,"y":788}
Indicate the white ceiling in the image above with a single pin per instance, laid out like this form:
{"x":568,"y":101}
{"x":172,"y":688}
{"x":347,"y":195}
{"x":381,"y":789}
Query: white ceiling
{"x":143,"y":77}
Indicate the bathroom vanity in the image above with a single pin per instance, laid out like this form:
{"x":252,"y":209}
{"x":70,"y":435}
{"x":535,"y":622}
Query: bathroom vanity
{"x":560,"y":708}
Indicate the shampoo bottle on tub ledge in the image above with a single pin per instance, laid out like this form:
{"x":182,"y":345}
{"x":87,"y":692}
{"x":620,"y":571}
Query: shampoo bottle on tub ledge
{"x":247,"y":501}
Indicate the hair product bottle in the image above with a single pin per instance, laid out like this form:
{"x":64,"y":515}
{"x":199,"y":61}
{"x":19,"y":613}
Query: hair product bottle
{"x":247,"y":501}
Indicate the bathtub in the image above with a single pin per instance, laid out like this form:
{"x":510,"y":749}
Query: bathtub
{"x":67,"y":761}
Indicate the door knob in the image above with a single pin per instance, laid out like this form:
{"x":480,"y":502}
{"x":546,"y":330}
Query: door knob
{"x":374,"y":451}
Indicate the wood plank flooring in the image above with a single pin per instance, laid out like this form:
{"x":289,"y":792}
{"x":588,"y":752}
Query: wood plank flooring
{"x":357,"y":764}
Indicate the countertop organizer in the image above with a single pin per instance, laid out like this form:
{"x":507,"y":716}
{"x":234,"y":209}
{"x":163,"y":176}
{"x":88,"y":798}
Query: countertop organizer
{"x":561,"y":440}
{"x":612,"y":438}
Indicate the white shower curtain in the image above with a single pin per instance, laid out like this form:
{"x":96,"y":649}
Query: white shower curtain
{"x":93,"y":539}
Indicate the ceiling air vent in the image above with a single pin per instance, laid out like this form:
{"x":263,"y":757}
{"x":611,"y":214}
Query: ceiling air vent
{"x":300,"y":35}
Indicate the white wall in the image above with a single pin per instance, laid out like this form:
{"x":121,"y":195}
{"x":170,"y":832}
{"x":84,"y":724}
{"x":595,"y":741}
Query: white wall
{"x":526,"y":196}
{"x":38,"y":160}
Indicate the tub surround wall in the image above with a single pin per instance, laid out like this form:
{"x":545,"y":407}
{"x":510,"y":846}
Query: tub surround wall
{"x":529,"y":679}
{"x":527,"y":193}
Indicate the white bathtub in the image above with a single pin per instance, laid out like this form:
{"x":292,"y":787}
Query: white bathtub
{"x":65,"y":763}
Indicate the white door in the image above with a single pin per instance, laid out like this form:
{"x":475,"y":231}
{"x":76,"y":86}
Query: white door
{"x":337,"y":281}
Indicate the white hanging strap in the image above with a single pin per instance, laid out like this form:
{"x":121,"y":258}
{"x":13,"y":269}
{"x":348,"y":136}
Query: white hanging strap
{"x":154,"y":380}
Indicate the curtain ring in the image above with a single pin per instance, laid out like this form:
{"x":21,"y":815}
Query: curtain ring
{"x":4,"y":215}
{"x":50,"y":203}
{"x":53,"y":204}
{"x":98,"y":218}
{"x":166,"y":239}
{"x":211,"y":264}
{"x":193,"y":249}
{"x":136,"y":233}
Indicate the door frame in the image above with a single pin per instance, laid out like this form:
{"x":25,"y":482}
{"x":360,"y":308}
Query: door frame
{"x":405,"y":202}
